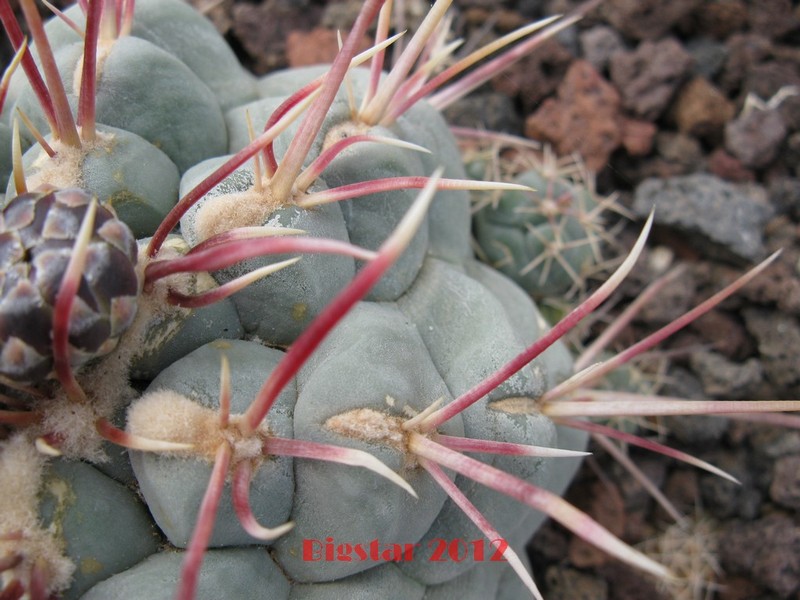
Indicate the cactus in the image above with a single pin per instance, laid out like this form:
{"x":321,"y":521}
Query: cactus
{"x":309,"y":408}
{"x":552,"y":240}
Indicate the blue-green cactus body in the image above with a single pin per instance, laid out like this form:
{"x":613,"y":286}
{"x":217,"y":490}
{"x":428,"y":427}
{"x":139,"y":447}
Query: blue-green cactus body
{"x":165,"y":111}
{"x":432,"y":328}
{"x":544,"y":240}
{"x":176,"y":28}
{"x":228,"y":573}
{"x":173,"y":486}
{"x":375,"y":353}
{"x":113,"y":169}
{"x":105,"y":527}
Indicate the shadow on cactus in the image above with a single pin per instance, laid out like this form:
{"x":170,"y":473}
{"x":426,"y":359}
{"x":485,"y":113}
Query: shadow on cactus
{"x":402,"y":353}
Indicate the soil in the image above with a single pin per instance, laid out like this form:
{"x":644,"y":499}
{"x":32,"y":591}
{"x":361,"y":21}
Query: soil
{"x":698,"y":96}
{"x":693,"y":105}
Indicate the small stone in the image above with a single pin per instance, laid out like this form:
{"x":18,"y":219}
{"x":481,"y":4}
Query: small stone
{"x":728,"y":167}
{"x":724,"y":499}
{"x":721,"y":18}
{"x":607,"y":508}
{"x":769,"y":78}
{"x":790,"y":112}
{"x":676,"y":154}
{"x":709,"y":56}
{"x":775,"y":565}
{"x":779,"y":284}
{"x":771,"y":18}
{"x":637,"y":136}
{"x":584,"y":118}
{"x":550,"y":543}
{"x":683,"y":489}
{"x":784,"y":194}
{"x":792,"y":154}
{"x":745,"y":50}
{"x":695,"y":430}
{"x":599,"y":44}
{"x":727,"y":334}
{"x":629,"y":583}
{"x":316,"y":47}
{"x":647,"y":19}
{"x":562,"y":583}
{"x":728,"y":217}
{"x":778,"y":337}
{"x":726,"y":379}
{"x":785,"y":488}
{"x":262,"y":29}
{"x":737,"y":588}
{"x":701,"y":109}
{"x":536,"y":76}
{"x":649,"y":76}
{"x":340,"y":15}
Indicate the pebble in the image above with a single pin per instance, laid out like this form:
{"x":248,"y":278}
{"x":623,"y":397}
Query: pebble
{"x":728,"y":217}
{"x":599,"y":44}
{"x":785,"y":488}
{"x":775,"y":565}
{"x":649,"y":76}
{"x":701,"y":109}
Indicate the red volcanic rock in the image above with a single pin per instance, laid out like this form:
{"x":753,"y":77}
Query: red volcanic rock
{"x":585,"y":117}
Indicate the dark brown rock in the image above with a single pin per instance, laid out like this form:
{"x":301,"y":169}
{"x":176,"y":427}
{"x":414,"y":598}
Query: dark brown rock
{"x":785,"y":488}
{"x":682,"y":490}
{"x":562,"y":583}
{"x":536,"y":76}
{"x":728,"y":167}
{"x":771,"y":18}
{"x":745,"y":50}
{"x":647,"y":19}
{"x":790,"y":112}
{"x":778,"y":285}
{"x":737,"y":588}
{"x":778,"y":337}
{"x":724,"y":499}
{"x":629,"y":583}
{"x":604,"y":504}
{"x":726,"y":333}
{"x":701,"y":109}
{"x":720,"y":18}
{"x":262,"y":29}
{"x":768,"y":78}
{"x":649,"y":76}
{"x":637,"y":136}
{"x":767,"y":550}
{"x":676,"y":154}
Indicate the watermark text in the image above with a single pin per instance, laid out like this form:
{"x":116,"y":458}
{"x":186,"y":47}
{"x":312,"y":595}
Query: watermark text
{"x":436,"y":550}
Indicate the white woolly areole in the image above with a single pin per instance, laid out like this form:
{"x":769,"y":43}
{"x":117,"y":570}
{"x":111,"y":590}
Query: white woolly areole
{"x":370,"y":425}
{"x":242,"y":209}
{"x":168,"y":416}
{"x":65,"y":168}
{"x":21,"y":467}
